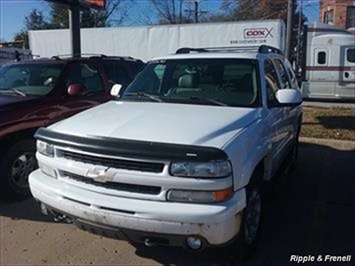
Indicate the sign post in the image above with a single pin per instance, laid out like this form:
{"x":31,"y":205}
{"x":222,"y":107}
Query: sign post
{"x":74,"y":25}
{"x":74,"y":19}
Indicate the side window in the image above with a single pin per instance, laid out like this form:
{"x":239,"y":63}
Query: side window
{"x":285,"y":81}
{"x":350,"y":55}
{"x":15,"y":77}
{"x":87,"y":75}
{"x":291,"y":74}
{"x":116,"y":73}
{"x":271,"y":81}
{"x":159,"y":71}
{"x":322,"y":58}
{"x":151,"y":78}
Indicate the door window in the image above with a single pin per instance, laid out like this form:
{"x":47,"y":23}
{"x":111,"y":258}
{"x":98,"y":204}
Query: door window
{"x":285,"y":81}
{"x":87,"y":75}
{"x":272,"y":82}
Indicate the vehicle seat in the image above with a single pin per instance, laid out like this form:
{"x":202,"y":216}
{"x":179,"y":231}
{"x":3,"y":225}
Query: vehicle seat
{"x":188,"y":81}
{"x":246,"y":84}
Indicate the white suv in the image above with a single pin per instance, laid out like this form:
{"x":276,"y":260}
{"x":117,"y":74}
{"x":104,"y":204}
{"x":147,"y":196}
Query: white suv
{"x":179,"y":157}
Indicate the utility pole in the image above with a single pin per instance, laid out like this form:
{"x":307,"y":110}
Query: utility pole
{"x":300,"y":19}
{"x":196,"y":11}
{"x":74,"y":25}
{"x":289,"y":28}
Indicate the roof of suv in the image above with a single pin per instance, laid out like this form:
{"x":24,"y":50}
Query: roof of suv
{"x":67,"y":59}
{"x":248,"y":52}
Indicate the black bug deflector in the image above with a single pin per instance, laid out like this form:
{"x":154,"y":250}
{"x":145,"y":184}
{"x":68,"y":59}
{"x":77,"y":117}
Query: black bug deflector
{"x":131,"y":148}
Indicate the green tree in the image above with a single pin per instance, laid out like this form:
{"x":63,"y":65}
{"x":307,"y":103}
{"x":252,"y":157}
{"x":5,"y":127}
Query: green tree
{"x":36,"y":21}
{"x":58,"y":16}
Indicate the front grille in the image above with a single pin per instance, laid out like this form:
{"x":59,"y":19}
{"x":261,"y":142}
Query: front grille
{"x":115,"y":163}
{"x":143,"y":189}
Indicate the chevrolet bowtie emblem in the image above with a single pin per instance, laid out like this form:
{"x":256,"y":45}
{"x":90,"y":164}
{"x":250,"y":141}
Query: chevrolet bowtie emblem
{"x":100,"y":175}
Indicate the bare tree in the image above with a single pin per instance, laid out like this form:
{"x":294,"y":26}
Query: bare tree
{"x":171,"y":11}
{"x":115,"y":13}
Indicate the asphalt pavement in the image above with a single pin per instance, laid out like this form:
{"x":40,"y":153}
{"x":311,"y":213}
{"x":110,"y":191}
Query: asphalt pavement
{"x":308,"y":212}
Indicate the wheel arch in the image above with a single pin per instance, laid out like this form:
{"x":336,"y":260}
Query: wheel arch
{"x":12,"y":138}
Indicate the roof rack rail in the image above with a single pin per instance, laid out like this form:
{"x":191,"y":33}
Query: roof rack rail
{"x":186,"y":50}
{"x":260,"y":49}
{"x":90,"y":56}
{"x":267,"y":49}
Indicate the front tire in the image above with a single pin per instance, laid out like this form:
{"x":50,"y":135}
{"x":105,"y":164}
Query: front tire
{"x":246,"y":241}
{"x":18,"y":161}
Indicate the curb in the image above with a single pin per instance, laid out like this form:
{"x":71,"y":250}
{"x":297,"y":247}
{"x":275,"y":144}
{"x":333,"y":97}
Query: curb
{"x":339,"y":144}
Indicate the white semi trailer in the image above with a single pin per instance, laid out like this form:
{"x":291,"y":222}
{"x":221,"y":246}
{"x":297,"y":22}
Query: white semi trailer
{"x":328,"y":63}
{"x":147,"y":42}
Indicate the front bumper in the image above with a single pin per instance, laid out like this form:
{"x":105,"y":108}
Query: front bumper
{"x":216,"y":224}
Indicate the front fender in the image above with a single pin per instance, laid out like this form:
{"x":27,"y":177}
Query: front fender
{"x":246,"y":150}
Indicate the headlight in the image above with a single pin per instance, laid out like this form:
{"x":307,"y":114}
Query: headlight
{"x":201,"y":169}
{"x":199,"y":196}
{"x":45,"y":148}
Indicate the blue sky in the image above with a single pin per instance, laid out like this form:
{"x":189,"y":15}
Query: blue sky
{"x":13,"y":12}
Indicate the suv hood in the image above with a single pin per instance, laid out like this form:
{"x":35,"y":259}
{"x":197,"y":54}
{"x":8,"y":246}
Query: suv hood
{"x":186,"y":124}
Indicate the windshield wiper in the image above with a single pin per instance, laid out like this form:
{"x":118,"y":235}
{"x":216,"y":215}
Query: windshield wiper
{"x":14,"y":90}
{"x":215,"y":102}
{"x":143,"y":94}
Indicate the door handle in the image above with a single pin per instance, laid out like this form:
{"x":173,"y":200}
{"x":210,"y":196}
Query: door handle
{"x":346,"y":74}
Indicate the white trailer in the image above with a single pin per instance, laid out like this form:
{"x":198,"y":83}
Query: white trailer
{"x":147,"y":42}
{"x":329,"y":70}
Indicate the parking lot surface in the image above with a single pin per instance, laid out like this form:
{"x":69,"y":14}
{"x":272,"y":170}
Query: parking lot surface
{"x":309,"y":212}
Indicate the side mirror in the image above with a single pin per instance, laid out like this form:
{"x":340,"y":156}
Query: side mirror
{"x":116,"y":89}
{"x":76,"y":89}
{"x":289,"y":97}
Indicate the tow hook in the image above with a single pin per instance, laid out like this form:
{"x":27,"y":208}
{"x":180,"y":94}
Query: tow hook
{"x":57,"y":217}
{"x":149,"y":243}
{"x":44,"y":209}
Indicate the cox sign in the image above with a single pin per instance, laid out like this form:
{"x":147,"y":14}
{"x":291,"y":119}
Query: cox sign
{"x":258,"y":33}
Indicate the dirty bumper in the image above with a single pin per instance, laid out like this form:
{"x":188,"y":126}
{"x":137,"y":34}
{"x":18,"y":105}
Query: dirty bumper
{"x":135,"y":219}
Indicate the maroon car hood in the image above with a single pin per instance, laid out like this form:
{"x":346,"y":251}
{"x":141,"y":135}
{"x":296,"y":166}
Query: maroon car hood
{"x":5,"y":100}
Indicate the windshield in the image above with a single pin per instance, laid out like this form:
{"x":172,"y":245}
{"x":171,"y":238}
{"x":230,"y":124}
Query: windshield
{"x":29,"y":79}
{"x":224,"y":82}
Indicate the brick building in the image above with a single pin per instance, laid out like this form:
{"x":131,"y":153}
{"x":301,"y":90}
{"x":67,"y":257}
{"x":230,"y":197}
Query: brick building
{"x":340,"y":13}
